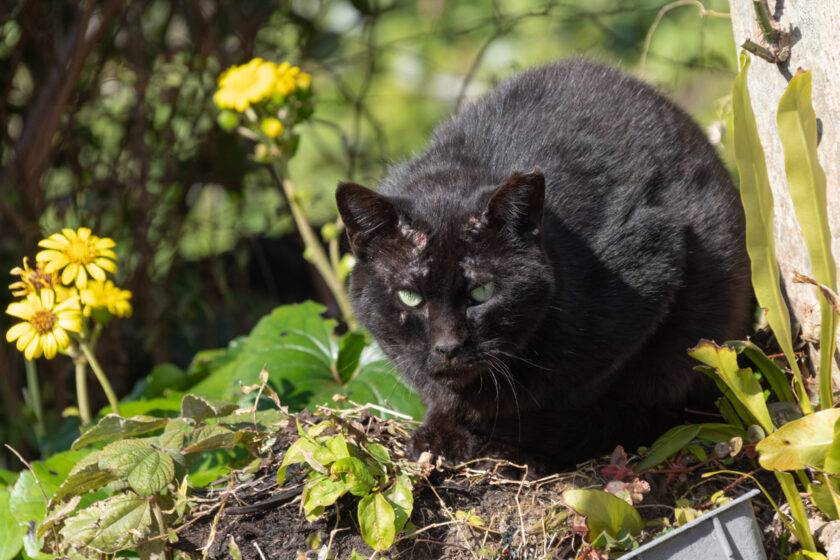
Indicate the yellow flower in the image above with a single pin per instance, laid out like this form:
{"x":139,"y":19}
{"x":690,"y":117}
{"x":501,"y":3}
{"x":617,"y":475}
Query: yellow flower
{"x":105,"y":295}
{"x":286,"y":79}
{"x":239,"y":86}
{"x":272,"y":128}
{"x":304,"y":80}
{"x":32,"y":280}
{"x":45,"y":324}
{"x":78,"y":253}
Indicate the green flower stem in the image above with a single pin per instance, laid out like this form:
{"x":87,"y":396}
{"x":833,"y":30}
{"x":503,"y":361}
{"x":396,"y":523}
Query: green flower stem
{"x":101,"y":377}
{"x":81,"y":388}
{"x":318,"y":256}
{"x":35,"y":396}
{"x":797,"y":510}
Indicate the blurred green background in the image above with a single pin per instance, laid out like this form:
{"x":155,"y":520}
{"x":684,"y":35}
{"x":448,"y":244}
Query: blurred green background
{"x":107,"y":121}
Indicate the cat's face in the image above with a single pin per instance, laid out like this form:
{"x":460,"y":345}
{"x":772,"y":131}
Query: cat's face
{"x":451,"y":305}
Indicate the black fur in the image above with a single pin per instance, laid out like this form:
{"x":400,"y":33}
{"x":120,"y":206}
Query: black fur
{"x":614,"y":239}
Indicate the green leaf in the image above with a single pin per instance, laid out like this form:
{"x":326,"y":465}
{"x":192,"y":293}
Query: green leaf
{"x":354,"y":473}
{"x":301,"y":354}
{"x":146,"y":469}
{"x":166,"y":378}
{"x":175,"y":433}
{"x":267,"y":420}
{"x":216,"y":367}
{"x":320,"y":491}
{"x":376,"y":520}
{"x":667,"y":445}
{"x":110,"y":525}
{"x":772,"y":373}
{"x":115,"y":426}
{"x":803,"y":442}
{"x":832,"y":456}
{"x":402,"y":500}
{"x":85,"y":477}
{"x":717,"y":432}
{"x":797,"y":124}
{"x":11,"y":533}
{"x":202,"y":408}
{"x":378,"y":452}
{"x":757,"y":199}
{"x":349,"y":351}
{"x":27,"y":501}
{"x":604,"y":512}
{"x":741,"y":382}
{"x":210,"y":437}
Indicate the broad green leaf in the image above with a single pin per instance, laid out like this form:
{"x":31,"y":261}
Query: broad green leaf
{"x":717,"y":432}
{"x":822,"y":498}
{"x":667,"y":445}
{"x":807,"y":555}
{"x":206,"y":438}
{"x":11,"y":533}
{"x":110,"y":525}
{"x":803,"y":442}
{"x":355,"y":475}
{"x":757,"y":199}
{"x":401,"y":499}
{"x":604,"y":512}
{"x":797,"y":124}
{"x":202,"y":408}
{"x":85,"y":476}
{"x":774,"y":375}
{"x":298,"y":348}
{"x":267,"y":420}
{"x":349,"y":351}
{"x":378,"y":452}
{"x":376,"y":520}
{"x":175,"y":433}
{"x":217,"y":367}
{"x":338,"y":446}
{"x":27,"y":501}
{"x":114,"y":426}
{"x":159,"y":408}
{"x":322,"y":490}
{"x":832,"y":456}
{"x":741,"y":382}
{"x":146,"y":469}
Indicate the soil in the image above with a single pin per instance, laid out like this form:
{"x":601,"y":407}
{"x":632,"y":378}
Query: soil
{"x":460,"y":512}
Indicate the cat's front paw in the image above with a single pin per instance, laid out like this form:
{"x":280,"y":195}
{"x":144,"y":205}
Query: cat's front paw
{"x":454,"y":443}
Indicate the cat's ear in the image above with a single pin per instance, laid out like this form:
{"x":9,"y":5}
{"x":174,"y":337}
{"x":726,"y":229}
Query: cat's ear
{"x":366,"y":214}
{"x":517,"y":206}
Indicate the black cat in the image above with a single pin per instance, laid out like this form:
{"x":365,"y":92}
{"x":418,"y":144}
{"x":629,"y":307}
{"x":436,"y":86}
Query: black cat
{"x":539,"y":272}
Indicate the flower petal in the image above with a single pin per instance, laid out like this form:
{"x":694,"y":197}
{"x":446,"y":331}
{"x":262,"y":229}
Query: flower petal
{"x":21,"y":310}
{"x":72,"y":324}
{"x":17,"y":331}
{"x":51,"y":243}
{"x":25,"y":339}
{"x":33,"y":349}
{"x":47,"y":299}
{"x":53,"y":259}
{"x":81,"y":278}
{"x":69,"y":234}
{"x":70,"y":273}
{"x":95,"y":272}
{"x":104,"y":243}
{"x":49,"y":345}
{"x":61,"y":338}
{"x":83,"y":233}
{"x":108,"y":265}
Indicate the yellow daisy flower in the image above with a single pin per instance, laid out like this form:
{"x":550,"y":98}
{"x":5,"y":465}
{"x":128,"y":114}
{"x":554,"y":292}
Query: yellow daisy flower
{"x":45,"y":324}
{"x":32,"y":279}
{"x":239,"y":86}
{"x":286,"y":79}
{"x":78,"y":253}
{"x":105,"y":295}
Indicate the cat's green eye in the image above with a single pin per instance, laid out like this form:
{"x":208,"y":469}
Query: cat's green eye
{"x":483,"y":292}
{"x":409,"y":298}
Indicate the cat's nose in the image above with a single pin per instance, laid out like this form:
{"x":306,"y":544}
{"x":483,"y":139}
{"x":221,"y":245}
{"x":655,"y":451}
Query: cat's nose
{"x":448,"y":348}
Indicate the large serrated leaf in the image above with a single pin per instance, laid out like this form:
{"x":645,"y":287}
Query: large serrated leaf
{"x":146,"y":469}
{"x":217,"y":437}
{"x":803,"y":442}
{"x":110,"y":525}
{"x":757,"y":199}
{"x":603,"y":512}
{"x":85,"y":476}
{"x":115,"y":426}
{"x":202,"y":408}
{"x":741,"y":382}
{"x":376,"y":521}
{"x":11,"y":533}
{"x":176,"y":433}
{"x":797,"y":124}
